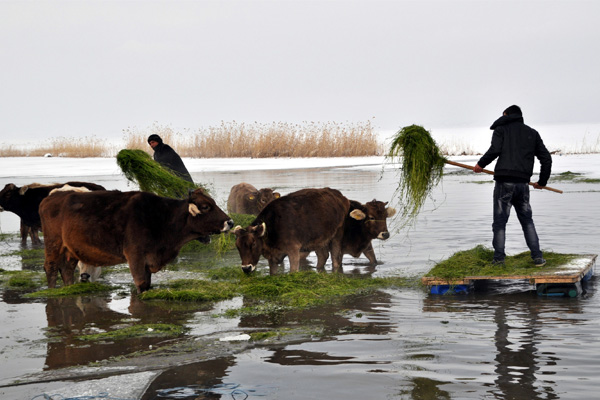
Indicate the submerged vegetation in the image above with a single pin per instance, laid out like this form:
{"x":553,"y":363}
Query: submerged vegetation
{"x":144,"y":330}
{"x":266,"y":293}
{"x":478,"y":262}
{"x":76,"y":289}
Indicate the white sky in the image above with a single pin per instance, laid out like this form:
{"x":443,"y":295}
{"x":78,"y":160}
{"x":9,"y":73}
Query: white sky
{"x":94,"y":68}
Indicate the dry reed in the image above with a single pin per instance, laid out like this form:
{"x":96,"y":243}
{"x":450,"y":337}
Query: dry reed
{"x":230,"y":139}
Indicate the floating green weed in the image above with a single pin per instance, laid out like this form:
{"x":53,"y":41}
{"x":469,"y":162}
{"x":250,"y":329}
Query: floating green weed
{"x":422,"y":167}
{"x":144,"y":330}
{"x":22,"y":279}
{"x":192,"y":290}
{"x":267,"y":294}
{"x":76,"y":289}
{"x":478,"y":262}
{"x":573,"y":176}
{"x":140,"y":168}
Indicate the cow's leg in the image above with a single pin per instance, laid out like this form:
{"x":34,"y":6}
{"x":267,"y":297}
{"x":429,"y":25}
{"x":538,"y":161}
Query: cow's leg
{"x":51,"y":272}
{"x":322,"y":257}
{"x":24,"y":233}
{"x":273,"y":266}
{"x":35,"y":238}
{"x":336,"y":254}
{"x":370,"y":254}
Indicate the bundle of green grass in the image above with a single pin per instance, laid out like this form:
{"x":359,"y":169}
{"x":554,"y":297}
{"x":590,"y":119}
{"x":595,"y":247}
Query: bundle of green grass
{"x":150,"y":176}
{"x":422,"y":166}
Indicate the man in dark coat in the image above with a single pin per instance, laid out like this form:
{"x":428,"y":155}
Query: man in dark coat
{"x":167,"y":157}
{"x":515,"y":145}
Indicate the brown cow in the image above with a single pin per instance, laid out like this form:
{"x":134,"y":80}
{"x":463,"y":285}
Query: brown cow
{"x":308,"y":219}
{"x":25,"y":202}
{"x":365,"y":223}
{"x":107,"y":228}
{"x":246,"y":199}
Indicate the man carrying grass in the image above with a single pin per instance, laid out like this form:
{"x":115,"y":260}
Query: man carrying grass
{"x":167,"y":157}
{"x":515,"y":145}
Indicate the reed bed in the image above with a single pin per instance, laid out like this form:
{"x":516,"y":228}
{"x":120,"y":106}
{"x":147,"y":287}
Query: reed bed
{"x":80,"y":147}
{"x":229,"y":139}
{"x":256,"y":140}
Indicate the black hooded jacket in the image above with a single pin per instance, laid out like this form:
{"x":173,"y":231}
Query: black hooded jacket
{"x":167,"y":157}
{"x":515,"y":145}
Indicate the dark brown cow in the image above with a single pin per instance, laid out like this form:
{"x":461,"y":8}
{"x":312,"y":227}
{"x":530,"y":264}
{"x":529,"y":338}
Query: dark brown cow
{"x":25,"y":202}
{"x":363,"y":224}
{"x":246,"y":199}
{"x":308,"y":219}
{"x":107,"y":228}
{"x":367,"y":223}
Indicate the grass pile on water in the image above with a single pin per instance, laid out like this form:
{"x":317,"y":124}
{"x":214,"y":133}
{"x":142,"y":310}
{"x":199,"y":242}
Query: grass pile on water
{"x":478,"y":262}
{"x":22,"y":279}
{"x":265,"y":293}
{"x":76,"y":289}
{"x":422,"y":167}
{"x":144,"y":330}
{"x":150,"y":176}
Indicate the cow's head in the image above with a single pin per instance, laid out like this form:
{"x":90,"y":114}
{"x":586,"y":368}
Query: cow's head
{"x":206,"y":217}
{"x":257,"y":200}
{"x":264,"y":197}
{"x":372,"y":216}
{"x":249,"y":243}
{"x":8,"y":196}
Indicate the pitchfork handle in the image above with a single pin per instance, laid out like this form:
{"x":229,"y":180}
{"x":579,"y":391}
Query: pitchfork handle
{"x":487,"y":171}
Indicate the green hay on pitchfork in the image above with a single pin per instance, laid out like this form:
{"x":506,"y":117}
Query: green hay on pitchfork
{"x":150,"y":176}
{"x":422,"y":168}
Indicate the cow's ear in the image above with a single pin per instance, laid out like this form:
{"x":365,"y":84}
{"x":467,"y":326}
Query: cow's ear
{"x":276,"y":195}
{"x":193,"y":209}
{"x":357,"y":214}
{"x":391,"y":211}
{"x":251,"y":197}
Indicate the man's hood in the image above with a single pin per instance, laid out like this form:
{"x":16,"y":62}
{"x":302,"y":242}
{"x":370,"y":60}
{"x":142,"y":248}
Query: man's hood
{"x":506,"y":119}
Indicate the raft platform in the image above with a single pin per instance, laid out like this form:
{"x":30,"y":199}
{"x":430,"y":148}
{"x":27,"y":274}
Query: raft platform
{"x":562,"y":280}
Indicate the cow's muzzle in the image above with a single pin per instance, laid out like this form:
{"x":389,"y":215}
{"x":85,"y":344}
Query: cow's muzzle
{"x":227,"y":225}
{"x":248,"y":269}
{"x":85,"y":277}
{"x":383,"y":235}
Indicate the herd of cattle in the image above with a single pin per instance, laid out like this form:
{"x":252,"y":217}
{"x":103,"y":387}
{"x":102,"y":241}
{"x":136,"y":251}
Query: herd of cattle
{"x":89,"y":227}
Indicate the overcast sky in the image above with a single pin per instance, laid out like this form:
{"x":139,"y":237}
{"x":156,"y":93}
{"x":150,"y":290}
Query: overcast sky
{"x":94,"y":68}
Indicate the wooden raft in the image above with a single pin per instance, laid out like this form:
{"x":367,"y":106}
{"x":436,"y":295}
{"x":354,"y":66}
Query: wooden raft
{"x":572,"y":272}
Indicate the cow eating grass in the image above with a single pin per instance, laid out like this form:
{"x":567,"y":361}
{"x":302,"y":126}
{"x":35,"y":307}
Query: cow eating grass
{"x":112,"y":227}
{"x":306,"y":220}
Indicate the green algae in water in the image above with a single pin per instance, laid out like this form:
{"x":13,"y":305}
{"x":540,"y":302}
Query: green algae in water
{"x":422,"y":167}
{"x":144,"y":330}
{"x":478,"y":262}
{"x":150,"y":176}
{"x":77,"y":289}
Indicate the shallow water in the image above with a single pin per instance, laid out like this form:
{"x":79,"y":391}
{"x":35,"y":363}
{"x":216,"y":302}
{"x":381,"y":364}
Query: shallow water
{"x":502,"y":341}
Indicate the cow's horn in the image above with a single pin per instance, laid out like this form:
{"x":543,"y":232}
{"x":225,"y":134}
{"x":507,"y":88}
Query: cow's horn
{"x":193,"y":209}
{"x":391,"y":211}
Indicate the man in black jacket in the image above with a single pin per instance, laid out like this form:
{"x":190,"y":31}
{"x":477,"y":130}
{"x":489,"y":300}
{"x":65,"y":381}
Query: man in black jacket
{"x":167,"y":157}
{"x":515,"y":145}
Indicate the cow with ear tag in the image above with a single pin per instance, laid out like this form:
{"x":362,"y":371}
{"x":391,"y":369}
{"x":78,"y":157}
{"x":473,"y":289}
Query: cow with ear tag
{"x":365,"y":223}
{"x":309,"y":219}
{"x":105,"y":228}
{"x":246,"y":199}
